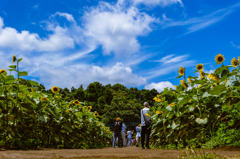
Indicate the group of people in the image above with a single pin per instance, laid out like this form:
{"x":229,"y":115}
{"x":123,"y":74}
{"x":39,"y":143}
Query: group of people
{"x":120,"y":133}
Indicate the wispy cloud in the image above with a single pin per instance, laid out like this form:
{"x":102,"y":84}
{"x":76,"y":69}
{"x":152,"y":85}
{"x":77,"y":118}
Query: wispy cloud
{"x":198,"y":23}
{"x":169,"y":64}
{"x":162,"y":3}
{"x":236,"y":46}
{"x":168,"y":59}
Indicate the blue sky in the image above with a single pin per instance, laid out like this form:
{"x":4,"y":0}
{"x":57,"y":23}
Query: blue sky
{"x":137,"y":43}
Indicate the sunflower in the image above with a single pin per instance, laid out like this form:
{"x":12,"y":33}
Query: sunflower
{"x":96,"y":114}
{"x":159,"y":100}
{"x":189,"y":80}
{"x":84,"y":102}
{"x":239,"y":58}
{"x":147,"y":114}
{"x":215,"y":78}
{"x":202,"y":74}
{"x":108,"y":131}
{"x":181,"y":71}
{"x":210,"y":76}
{"x":234,"y":62}
{"x":14,"y":58}
{"x":219,"y":58}
{"x":155,"y":98}
{"x":199,"y":67}
{"x":68,"y":106}
{"x":173,"y":92}
{"x":89,"y":108}
{"x":199,"y":86}
{"x":159,"y":112}
{"x":183,"y":84}
{"x":76,"y":102}
{"x":172,"y":104}
{"x":2,"y":71}
{"x":55,"y":89}
{"x":176,"y":87}
{"x":44,"y":99}
{"x":158,"y":95}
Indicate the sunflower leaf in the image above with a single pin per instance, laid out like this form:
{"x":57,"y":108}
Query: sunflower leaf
{"x":12,"y":66}
{"x":23,"y":73}
{"x":19,"y":60}
{"x":33,"y":83}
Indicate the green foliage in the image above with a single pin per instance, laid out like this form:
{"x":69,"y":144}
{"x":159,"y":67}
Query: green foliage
{"x":200,"y":114}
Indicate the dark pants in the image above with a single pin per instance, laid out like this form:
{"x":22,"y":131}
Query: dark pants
{"x":119,"y":136}
{"x":145,"y":131}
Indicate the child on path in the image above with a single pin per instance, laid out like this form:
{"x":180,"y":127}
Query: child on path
{"x":129,"y":132}
{"x":138,"y":129}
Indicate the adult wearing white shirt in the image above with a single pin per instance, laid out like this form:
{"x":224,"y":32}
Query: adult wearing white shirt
{"x":145,"y":130}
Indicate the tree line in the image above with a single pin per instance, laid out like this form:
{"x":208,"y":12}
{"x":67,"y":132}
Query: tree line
{"x":110,"y":101}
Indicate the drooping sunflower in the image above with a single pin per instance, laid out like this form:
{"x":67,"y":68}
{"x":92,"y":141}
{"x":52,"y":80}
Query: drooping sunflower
{"x":76,"y":102}
{"x":96,"y":114}
{"x":172,"y":104}
{"x":183,"y":84}
{"x":68,"y":106}
{"x":202,"y":74}
{"x":219,"y":58}
{"x":216,"y":78}
{"x":181,"y":71}
{"x":14,"y":58}
{"x":147,"y":114}
{"x":234,"y":62}
{"x":199,"y":67}
{"x":189,"y":80}
{"x":159,"y":112}
{"x":2,"y":71}
{"x":43,"y":99}
{"x":55,"y":89}
{"x":70,"y":111}
{"x":89,"y":108}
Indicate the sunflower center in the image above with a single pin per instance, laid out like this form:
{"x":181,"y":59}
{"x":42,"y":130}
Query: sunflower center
{"x":220,"y":59}
{"x":55,"y":89}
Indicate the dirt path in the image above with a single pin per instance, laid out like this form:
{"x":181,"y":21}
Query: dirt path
{"x":105,"y":153}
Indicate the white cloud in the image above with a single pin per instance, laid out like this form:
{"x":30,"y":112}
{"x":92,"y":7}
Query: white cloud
{"x":116,"y":28}
{"x":69,"y":17}
{"x":70,"y":76}
{"x":26,"y":41}
{"x":159,"y":86}
{"x":162,"y":3}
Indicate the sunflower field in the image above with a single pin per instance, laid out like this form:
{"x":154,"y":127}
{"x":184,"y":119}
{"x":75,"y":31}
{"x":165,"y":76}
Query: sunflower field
{"x":31,"y":119}
{"x":201,"y":111}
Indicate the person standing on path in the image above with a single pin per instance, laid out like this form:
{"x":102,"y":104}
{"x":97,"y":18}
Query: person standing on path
{"x":146,"y":130}
{"x":129,"y":132}
{"x":113,"y":144}
{"x":138,"y":129}
{"x":123,"y":134}
{"x":117,"y":130}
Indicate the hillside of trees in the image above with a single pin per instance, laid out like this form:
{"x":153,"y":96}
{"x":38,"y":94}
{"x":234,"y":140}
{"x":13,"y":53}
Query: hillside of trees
{"x":110,"y":101}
